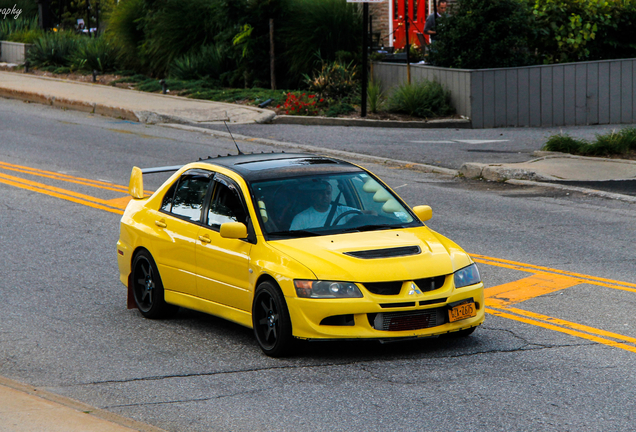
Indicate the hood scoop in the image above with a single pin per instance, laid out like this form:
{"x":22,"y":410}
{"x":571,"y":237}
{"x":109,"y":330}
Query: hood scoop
{"x":386,"y":253}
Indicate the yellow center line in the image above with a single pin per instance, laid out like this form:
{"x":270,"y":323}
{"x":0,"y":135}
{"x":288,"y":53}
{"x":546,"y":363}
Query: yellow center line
{"x":535,"y":269}
{"x":565,"y":330}
{"x":59,"y":193}
{"x":66,"y":177}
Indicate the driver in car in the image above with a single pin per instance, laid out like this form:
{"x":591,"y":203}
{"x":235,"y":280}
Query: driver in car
{"x":322,"y":212}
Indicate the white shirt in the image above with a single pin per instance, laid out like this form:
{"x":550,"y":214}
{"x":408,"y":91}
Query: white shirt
{"x":312,"y":218}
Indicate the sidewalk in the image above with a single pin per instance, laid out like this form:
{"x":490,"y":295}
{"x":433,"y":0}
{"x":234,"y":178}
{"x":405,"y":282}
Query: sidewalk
{"x":127,"y":104}
{"x":28,"y":409}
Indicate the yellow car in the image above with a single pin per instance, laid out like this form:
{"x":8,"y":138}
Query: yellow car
{"x":295,"y":246}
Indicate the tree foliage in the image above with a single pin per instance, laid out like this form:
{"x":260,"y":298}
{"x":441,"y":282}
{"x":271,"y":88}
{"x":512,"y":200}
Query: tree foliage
{"x":484,"y":34}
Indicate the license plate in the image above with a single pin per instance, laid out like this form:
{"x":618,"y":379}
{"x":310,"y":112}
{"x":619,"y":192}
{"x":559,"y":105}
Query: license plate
{"x":462,"y":310}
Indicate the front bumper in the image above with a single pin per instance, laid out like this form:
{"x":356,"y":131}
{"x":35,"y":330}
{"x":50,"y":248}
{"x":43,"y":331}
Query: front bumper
{"x":357,"y":318}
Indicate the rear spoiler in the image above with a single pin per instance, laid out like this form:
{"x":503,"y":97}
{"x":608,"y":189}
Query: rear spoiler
{"x":136,"y":184}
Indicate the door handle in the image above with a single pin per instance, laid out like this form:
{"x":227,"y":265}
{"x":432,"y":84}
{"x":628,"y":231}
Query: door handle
{"x":161,"y":224}
{"x":205,"y":239}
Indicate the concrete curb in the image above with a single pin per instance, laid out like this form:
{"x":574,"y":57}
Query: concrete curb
{"x":335,"y":121}
{"x":92,"y":108}
{"x":496,"y":172}
{"x":594,"y":192}
{"x":78,"y":406}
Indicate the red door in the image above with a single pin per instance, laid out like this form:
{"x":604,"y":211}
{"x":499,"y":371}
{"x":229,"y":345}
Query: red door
{"x":417,"y":17}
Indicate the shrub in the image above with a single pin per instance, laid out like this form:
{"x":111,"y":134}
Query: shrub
{"x":325,"y":26}
{"x":125,"y":30}
{"x":374,"y":96}
{"x":54,"y":49}
{"x":11,"y":29}
{"x":207,"y":62}
{"x":339,"y":108}
{"x":96,"y":54}
{"x":614,"y":143}
{"x":169,"y":35}
{"x":577,"y":30}
{"x":421,"y":99}
{"x":333,"y":80}
{"x":484,"y":34}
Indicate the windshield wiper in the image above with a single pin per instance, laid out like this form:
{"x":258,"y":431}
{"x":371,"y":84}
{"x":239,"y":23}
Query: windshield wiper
{"x":295,"y":233}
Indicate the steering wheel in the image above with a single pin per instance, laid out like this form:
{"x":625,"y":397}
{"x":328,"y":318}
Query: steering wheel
{"x":341,"y":215}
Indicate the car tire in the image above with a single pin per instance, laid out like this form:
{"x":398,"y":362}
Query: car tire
{"x":271,"y":321}
{"x":148,"y":289}
{"x":460,"y":334}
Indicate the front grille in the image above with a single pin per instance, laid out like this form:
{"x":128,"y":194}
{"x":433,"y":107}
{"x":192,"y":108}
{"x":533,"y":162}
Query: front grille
{"x":394,"y":287}
{"x":384,"y":288}
{"x":411,"y":320}
{"x":386,"y":253}
{"x":430,"y":284}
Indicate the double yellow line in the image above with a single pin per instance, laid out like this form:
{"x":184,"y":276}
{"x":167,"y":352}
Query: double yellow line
{"x":113,"y":206}
{"x":499,"y":299}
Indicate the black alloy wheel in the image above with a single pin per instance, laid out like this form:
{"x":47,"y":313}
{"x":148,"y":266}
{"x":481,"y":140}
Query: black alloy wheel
{"x":271,"y":322}
{"x":148,"y":289}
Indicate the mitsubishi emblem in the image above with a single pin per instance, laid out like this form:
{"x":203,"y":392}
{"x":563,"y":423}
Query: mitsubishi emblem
{"x":414,"y":289}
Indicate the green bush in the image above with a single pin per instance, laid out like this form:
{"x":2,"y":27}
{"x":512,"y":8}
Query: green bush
{"x":611,"y":144}
{"x":12,"y":29}
{"x":95,"y":54}
{"x":333,"y":80}
{"x":485,"y":34}
{"x":578,"y":30}
{"x":54,"y":49}
{"x":207,"y":62}
{"x":125,"y":30}
{"x":339,"y":108}
{"x":421,"y":99}
{"x":375,"y":98}
{"x":325,"y":26}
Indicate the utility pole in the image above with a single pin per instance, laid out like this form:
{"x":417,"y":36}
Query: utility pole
{"x":407,"y":46}
{"x":365,"y":60}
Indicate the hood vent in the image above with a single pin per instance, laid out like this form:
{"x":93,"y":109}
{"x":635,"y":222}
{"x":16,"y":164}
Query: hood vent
{"x":386,"y":253}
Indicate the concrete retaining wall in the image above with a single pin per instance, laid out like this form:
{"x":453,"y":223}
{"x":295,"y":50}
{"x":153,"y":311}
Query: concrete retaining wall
{"x":13,"y":52}
{"x":600,"y":92}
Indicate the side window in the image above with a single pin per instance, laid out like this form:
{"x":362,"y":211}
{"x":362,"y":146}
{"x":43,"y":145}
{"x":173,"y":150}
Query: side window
{"x":225,"y":205}
{"x":187,"y":200}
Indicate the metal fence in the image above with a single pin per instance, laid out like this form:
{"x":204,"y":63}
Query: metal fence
{"x":586,"y":93}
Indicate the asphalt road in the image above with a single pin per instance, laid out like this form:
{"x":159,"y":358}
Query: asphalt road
{"x":560,"y":359}
{"x":448,"y":148}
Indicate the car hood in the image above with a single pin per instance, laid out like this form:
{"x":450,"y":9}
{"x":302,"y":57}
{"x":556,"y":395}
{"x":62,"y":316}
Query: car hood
{"x":328,"y":257}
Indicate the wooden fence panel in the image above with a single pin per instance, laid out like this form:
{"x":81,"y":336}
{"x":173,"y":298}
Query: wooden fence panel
{"x":600,"y":92}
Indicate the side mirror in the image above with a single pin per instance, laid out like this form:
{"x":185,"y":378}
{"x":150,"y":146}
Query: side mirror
{"x":423,"y":212}
{"x":233,"y":230}
{"x":136,"y":184}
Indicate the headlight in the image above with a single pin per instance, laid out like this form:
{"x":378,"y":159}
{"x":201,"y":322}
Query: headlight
{"x":326,"y":289}
{"x":467,"y":276}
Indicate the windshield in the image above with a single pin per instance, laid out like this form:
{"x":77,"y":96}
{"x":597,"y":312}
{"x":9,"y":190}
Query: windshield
{"x":328,"y":204}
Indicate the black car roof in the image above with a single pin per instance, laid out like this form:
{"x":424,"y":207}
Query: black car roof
{"x":264,"y":166}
